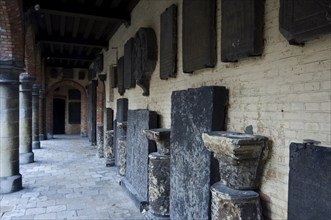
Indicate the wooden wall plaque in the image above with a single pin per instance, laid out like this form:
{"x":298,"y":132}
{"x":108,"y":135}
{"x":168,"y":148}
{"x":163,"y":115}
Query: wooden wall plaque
{"x":302,"y":20}
{"x":168,"y":43}
{"x":129,"y":80}
{"x":241,"y":29}
{"x":199,"y":34}
{"x":120,"y":76}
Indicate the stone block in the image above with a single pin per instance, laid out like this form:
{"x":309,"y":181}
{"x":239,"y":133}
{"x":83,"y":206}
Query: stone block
{"x":137,"y":150}
{"x":193,"y":112}
{"x":108,"y":148}
{"x":309,"y":182}
{"x":240,"y":157}
{"x":229,"y":203}
{"x":100,"y":141}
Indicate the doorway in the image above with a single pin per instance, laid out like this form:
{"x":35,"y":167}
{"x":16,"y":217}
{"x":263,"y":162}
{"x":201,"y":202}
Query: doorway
{"x":59,"y":116}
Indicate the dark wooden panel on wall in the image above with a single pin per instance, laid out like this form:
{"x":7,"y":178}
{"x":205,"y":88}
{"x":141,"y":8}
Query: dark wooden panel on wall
{"x":301,"y":20}
{"x":168,"y":43}
{"x":241,"y":29}
{"x":74,"y":112}
{"x":199,"y":34}
{"x":120,"y":76}
{"x":129,"y":79}
{"x":113,"y":76}
{"x":309,"y":192}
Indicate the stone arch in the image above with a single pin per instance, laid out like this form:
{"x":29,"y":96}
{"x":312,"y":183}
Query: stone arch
{"x":49,"y":105}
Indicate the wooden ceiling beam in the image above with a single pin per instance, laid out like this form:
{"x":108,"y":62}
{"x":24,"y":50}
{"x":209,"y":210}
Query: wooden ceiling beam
{"x":68,"y":57}
{"x":54,"y":40}
{"x":121,"y":19}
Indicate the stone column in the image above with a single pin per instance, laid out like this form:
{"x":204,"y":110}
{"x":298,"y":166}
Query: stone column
{"x":159,"y":175}
{"x":35,"y":116}
{"x":108,"y":148}
{"x":42,"y":135}
{"x":10,"y":178}
{"x":100,"y":141}
{"x":240,"y":158}
{"x":121,"y":148}
{"x":25,"y":113}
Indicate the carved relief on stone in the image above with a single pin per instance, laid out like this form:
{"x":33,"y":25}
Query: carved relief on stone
{"x":168,"y":43}
{"x":241,"y":29}
{"x":144,"y":57}
{"x":300,"y":20}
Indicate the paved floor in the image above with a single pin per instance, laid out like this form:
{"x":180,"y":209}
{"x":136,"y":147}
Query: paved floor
{"x":68,"y":181}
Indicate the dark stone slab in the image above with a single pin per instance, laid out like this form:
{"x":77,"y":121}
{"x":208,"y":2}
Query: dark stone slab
{"x":109,"y":118}
{"x":129,"y":80}
{"x":113,"y":76}
{"x":300,"y":21}
{"x":144,"y":57}
{"x":193,"y":112}
{"x":199,"y":34}
{"x":122,"y":110}
{"x":137,"y":151}
{"x":120,"y":76}
{"x":309,"y":192}
{"x":168,"y":43}
{"x":92,"y":103}
{"x":243,"y":36}
{"x":229,"y":203}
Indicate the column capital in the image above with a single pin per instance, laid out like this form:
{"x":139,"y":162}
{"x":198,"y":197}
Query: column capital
{"x":26,"y":81}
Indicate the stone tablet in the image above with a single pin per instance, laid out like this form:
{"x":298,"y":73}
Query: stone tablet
{"x":243,"y":36}
{"x":137,"y":151}
{"x":120,"y":76}
{"x":168,"y":43}
{"x":309,"y":191}
{"x":199,"y":34}
{"x":129,"y":80}
{"x":300,"y":21}
{"x":113,"y":77}
{"x":193,"y":112}
{"x":109,"y":118}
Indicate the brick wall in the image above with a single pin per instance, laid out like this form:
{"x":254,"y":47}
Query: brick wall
{"x":100,"y":102}
{"x":284,"y":94}
{"x":11,"y":32}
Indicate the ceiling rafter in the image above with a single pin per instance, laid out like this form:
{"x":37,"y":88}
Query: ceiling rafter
{"x":122,"y":19}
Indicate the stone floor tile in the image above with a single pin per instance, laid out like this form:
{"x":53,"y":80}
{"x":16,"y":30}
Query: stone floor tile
{"x":68,"y":181}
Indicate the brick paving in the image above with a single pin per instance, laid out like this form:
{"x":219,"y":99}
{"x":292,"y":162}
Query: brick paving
{"x":68,"y":181}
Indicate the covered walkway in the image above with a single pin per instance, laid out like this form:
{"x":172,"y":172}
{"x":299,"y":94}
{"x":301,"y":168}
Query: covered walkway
{"x":68,"y":181}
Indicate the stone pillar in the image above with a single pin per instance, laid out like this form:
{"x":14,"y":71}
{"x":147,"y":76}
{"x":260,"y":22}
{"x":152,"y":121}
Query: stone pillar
{"x":108,"y":148}
{"x":42,"y":135}
{"x":100,"y":141}
{"x":10,"y":178}
{"x":25,"y":131}
{"x":159,"y":175}
{"x":121,"y":148}
{"x":240,"y":158}
{"x":35,"y":116}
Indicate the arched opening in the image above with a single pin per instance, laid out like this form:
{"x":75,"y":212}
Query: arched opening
{"x":66,"y":109}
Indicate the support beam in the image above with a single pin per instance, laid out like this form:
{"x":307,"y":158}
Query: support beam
{"x":72,"y":42}
{"x":94,"y":16}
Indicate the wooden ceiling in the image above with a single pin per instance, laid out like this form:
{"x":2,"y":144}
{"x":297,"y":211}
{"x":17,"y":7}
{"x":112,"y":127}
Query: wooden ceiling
{"x":71,"y":33}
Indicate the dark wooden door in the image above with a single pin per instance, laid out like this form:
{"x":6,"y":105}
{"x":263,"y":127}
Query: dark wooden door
{"x":58,"y":116}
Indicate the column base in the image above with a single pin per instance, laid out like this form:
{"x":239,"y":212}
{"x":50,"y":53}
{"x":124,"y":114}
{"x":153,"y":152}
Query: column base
{"x":26,"y":158}
{"x":41,"y":137}
{"x":151,"y":216}
{"x":35,"y":144}
{"x":9,"y":184}
{"x":110,"y":162}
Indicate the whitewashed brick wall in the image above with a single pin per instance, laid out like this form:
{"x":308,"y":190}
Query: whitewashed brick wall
{"x":284,"y":94}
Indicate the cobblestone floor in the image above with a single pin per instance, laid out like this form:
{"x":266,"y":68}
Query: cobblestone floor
{"x":68,"y":181}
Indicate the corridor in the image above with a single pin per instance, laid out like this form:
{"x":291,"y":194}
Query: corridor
{"x":68,"y":181}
